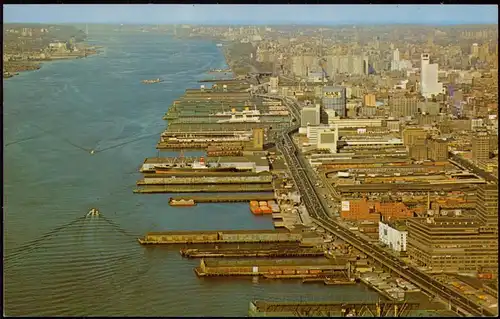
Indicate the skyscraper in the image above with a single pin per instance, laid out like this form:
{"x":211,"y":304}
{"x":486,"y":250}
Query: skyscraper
{"x":429,"y":84}
{"x":395,"y":60}
{"x":334,"y":98}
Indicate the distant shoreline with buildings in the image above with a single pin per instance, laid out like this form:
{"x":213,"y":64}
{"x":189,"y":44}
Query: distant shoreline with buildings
{"x":25,"y":49}
{"x":14,"y":67}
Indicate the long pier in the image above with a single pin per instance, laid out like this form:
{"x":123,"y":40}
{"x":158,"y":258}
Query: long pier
{"x":300,"y":268}
{"x":219,"y":236}
{"x":207,"y":188}
{"x":222,"y":253}
{"x":225,"y":198}
{"x":332,"y":309}
{"x":174,"y":180}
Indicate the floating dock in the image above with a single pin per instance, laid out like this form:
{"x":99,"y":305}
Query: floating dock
{"x":215,"y":198}
{"x":205,"y":188}
{"x":221,"y":253}
{"x":226,"y":236}
{"x":298,"y":268}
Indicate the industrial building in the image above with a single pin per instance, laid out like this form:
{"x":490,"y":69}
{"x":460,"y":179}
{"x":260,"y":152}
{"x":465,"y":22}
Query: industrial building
{"x":393,"y":234}
{"x":310,"y":116}
{"x":437,"y":149}
{"x":328,"y":140}
{"x":375,"y":211}
{"x":456,"y":244}
{"x":413,"y":135}
{"x":334,"y":98}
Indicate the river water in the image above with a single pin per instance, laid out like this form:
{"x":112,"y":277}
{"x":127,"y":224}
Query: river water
{"x":57,"y":262}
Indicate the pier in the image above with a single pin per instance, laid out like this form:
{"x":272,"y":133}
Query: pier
{"x":332,"y":309}
{"x":215,"y":198}
{"x":225,"y":253}
{"x":296,"y":268}
{"x":207,"y":188}
{"x":175,"y":180}
{"x":226,"y":236}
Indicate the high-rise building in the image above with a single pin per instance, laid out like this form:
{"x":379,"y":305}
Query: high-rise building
{"x":474,"y":50}
{"x":335,"y":98}
{"x":437,"y":149}
{"x":351,"y":64}
{"x":480,"y":146}
{"x":369,"y":100}
{"x":487,"y":205}
{"x":429,"y":84}
{"x":403,"y":106}
{"x":395,"y":60}
{"x":428,"y":107}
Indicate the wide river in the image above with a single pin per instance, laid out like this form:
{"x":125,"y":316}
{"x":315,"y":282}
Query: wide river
{"x":57,"y":262}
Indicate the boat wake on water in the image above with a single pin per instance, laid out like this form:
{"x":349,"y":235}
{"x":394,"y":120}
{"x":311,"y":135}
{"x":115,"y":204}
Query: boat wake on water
{"x":91,"y":221}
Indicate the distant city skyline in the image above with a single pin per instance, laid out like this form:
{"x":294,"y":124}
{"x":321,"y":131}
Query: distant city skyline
{"x":253,"y":14}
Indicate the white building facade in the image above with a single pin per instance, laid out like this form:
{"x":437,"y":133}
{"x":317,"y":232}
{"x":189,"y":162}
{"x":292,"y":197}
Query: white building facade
{"x":429,"y":84}
{"x":391,"y":236}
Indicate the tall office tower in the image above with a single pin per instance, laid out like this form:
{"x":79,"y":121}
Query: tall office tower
{"x":474,"y":50}
{"x":487,"y":205}
{"x":334,"y":98}
{"x":429,"y":84}
{"x":480,"y":146}
{"x":366,"y":65}
{"x":395,"y":60}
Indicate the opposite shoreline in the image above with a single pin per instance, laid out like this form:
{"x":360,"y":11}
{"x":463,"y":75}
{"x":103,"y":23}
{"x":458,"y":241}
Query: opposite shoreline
{"x":13,"y":68}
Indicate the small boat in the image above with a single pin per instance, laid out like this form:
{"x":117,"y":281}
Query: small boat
{"x":158,"y":80}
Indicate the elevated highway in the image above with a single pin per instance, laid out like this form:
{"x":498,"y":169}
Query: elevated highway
{"x":318,"y":213}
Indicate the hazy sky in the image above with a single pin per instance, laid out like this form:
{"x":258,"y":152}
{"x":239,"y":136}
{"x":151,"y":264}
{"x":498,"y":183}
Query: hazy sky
{"x":253,"y":14}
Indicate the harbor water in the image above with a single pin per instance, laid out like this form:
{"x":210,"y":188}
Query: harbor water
{"x":58,"y":261}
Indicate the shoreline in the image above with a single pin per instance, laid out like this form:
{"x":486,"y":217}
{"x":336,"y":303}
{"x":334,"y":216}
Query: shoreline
{"x":13,"y":68}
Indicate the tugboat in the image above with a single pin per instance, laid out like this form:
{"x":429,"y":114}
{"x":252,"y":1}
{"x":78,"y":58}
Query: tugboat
{"x":158,"y":80}
{"x":93,"y":212}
